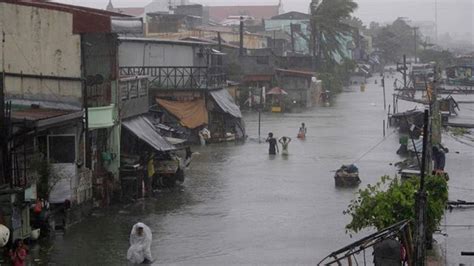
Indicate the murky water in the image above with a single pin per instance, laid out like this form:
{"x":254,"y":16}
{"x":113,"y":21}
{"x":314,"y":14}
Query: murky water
{"x":240,"y":206}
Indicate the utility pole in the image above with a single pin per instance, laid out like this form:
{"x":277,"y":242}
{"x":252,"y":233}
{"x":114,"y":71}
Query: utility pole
{"x":436,"y":21}
{"x":403,"y":70}
{"x":292,"y":38}
{"x":414,"y":30}
{"x":241,"y":30}
{"x":384,"y":99}
{"x":420,"y":202}
{"x":219,"y":45}
{"x":3,"y":141}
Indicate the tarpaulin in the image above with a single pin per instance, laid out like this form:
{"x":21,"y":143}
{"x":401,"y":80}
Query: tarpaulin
{"x":192,"y":114}
{"x":144,"y":129}
{"x":226,"y":102}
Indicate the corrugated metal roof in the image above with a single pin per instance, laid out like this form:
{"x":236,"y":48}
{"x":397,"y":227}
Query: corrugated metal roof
{"x":35,"y":114}
{"x":155,"y":40}
{"x":226,"y":103}
{"x":144,"y":129}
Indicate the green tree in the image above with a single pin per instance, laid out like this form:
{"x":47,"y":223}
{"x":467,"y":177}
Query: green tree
{"x":442,"y":58}
{"x":395,"y":40}
{"x":376,"y":207}
{"x":328,"y":28}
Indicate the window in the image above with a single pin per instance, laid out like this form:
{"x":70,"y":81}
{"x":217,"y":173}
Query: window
{"x":62,"y":149}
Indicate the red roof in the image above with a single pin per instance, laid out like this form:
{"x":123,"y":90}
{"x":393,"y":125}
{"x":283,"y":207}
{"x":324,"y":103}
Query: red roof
{"x":85,"y":20}
{"x":294,"y":72}
{"x":131,"y":11}
{"x":219,"y":13}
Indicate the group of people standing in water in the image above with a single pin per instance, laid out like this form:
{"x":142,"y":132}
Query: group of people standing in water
{"x":284,"y":141}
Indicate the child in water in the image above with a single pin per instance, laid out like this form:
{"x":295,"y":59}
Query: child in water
{"x":302,"y":131}
{"x":284,"y":141}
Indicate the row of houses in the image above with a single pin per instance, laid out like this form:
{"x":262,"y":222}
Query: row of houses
{"x":259,"y":42}
{"x":88,"y":108}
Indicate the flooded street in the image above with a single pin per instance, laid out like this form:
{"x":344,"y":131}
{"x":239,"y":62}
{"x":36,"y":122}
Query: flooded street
{"x":240,"y":206}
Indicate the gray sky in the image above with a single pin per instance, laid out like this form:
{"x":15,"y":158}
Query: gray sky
{"x":454,"y":16}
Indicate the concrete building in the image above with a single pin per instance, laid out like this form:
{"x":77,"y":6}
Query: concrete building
{"x":295,"y":22}
{"x":258,"y":12}
{"x":62,"y":80}
{"x":187,"y":82}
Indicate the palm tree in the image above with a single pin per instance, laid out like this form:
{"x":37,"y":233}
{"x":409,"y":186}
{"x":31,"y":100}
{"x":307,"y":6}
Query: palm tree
{"x":328,"y":28}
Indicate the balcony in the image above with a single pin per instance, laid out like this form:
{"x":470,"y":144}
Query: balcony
{"x":179,"y":77}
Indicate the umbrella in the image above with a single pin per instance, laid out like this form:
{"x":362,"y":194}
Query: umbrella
{"x":277,"y":91}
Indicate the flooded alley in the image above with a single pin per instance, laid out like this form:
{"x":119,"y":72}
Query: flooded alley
{"x":240,"y":206}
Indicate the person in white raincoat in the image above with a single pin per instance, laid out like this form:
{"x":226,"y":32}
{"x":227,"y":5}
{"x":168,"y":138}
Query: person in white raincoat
{"x":140,"y":243}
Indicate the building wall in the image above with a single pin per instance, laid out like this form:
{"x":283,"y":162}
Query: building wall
{"x":157,"y":54}
{"x":301,"y":45}
{"x":40,"y":42}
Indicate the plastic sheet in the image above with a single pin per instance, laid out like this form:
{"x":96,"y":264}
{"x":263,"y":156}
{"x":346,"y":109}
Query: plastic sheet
{"x":140,"y":244}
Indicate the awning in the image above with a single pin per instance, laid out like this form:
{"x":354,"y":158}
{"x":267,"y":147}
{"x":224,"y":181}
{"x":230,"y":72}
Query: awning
{"x":143,"y":128}
{"x":226,"y":102}
{"x":192,"y":114}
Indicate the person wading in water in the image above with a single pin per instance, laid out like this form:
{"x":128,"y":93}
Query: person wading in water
{"x":284,"y":141}
{"x":273,"y":145}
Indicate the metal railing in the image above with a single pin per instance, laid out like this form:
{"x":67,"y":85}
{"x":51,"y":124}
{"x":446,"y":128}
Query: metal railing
{"x":179,"y":77}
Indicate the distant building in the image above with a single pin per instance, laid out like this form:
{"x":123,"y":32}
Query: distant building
{"x":220,"y":13}
{"x":164,"y":6}
{"x":301,"y":33}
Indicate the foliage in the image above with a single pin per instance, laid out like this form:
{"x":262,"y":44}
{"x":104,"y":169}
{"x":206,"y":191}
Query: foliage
{"x":442,"y":58}
{"x":395,"y":39}
{"x":459,"y":131}
{"x":47,"y":179}
{"x":335,"y":76}
{"x":328,"y":28}
{"x":379,"y":208}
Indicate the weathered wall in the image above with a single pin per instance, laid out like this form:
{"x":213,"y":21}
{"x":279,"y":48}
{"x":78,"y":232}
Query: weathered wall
{"x":133,"y":53}
{"x":40,"y":41}
{"x":301,"y":45}
{"x":100,"y":57}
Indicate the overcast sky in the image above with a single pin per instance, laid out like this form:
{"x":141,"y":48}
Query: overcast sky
{"x":455,"y":16}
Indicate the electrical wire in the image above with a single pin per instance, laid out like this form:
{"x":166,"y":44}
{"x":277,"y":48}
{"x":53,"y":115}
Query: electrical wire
{"x":374,"y":147}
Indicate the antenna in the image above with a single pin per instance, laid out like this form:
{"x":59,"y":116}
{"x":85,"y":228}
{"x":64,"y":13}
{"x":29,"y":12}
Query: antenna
{"x":436,"y":21}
